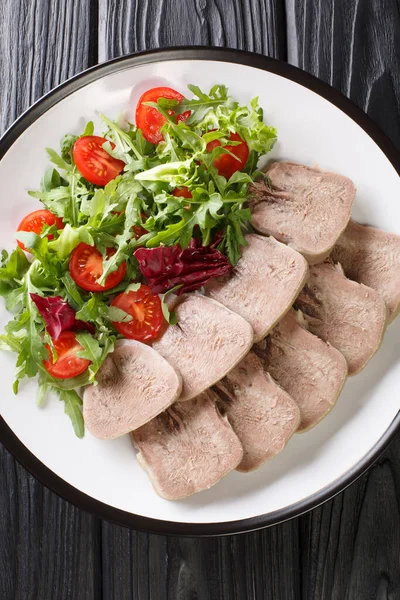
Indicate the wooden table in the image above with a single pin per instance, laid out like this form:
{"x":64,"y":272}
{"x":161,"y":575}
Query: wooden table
{"x":350,"y":547}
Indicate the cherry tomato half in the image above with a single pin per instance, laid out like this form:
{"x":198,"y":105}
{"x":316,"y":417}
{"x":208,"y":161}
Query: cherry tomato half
{"x":86,"y":266}
{"x":226,"y":164}
{"x":35,"y":221}
{"x":93,"y":162}
{"x":67,"y":364}
{"x":182,"y":192}
{"x":149,"y":120}
{"x":146,"y":312}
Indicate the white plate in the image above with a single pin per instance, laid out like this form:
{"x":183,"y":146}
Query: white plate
{"x":316,"y":126}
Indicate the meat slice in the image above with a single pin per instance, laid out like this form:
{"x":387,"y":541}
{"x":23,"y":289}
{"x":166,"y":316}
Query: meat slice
{"x":262,"y":414}
{"x":135,"y":384}
{"x":263,"y":285}
{"x":187,"y":448}
{"x":306,"y":208}
{"x":308,"y":369}
{"x":348,"y":315}
{"x":208,"y":341}
{"x":372,"y":257}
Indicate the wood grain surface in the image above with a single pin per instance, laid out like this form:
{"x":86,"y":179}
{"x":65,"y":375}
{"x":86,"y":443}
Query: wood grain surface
{"x":348,"y":549}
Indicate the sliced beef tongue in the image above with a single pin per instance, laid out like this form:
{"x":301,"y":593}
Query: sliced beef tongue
{"x":261,"y":413}
{"x":263,"y":285}
{"x":135,"y":384}
{"x":372,"y":256}
{"x":304,"y":207}
{"x":187,"y":448}
{"x":207,"y":342}
{"x":308,"y":369}
{"x":348,"y":315}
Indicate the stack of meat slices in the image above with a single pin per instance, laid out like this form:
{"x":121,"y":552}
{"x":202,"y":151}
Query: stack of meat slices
{"x":266,"y":350}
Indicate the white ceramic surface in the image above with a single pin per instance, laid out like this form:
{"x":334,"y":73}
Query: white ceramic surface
{"x":311,"y":131}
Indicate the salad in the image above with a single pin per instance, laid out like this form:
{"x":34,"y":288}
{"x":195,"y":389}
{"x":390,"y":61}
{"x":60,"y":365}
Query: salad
{"x":127,"y":217}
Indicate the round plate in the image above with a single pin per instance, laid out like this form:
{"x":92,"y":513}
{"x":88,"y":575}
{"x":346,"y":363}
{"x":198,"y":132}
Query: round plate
{"x":316,"y":125}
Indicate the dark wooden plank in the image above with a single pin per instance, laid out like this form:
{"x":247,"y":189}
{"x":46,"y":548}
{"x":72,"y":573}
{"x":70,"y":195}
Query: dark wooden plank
{"x":132,"y":25}
{"x":41,"y":44}
{"x":350,"y":546}
{"x":48,"y":548}
{"x":354,"y":46}
{"x":264,"y":565}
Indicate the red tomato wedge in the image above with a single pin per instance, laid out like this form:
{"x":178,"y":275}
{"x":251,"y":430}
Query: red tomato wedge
{"x":226,"y":164}
{"x":93,"y":162}
{"x":68,"y":364}
{"x":86,"y":266}
{"x":149,"y":120}
{"x":182,"y":192}
{"x":35,"y":221}
{"x":146,"y":312}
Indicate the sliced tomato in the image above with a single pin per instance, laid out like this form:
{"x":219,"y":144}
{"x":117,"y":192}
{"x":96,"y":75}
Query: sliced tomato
{"x":93,"y":162}
{"x":226,"y":164}
{"x":182,"y":192}
{"x":86,"y":266}
{"x":67,"y":364}
{"x":149,"y":120}
{"x":35,"y":221}
{"x":146,"y":312}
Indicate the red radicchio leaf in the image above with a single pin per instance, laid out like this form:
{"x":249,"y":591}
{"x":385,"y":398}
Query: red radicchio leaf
{"x":168,"y":266}
{"x":57,"y":313}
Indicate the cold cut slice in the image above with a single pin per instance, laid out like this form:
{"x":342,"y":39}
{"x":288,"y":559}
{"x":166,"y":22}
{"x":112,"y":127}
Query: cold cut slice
{"x":135,"y":384}
{"x":188,"y":448}
{"x":372,"y":256}
{"x":306,"y":208}
{"x":263,"y":285}
{"x":208,"y":341}
{"x":308,"y":369}
{"x":261,"y":413}
{"x":348,"y":315}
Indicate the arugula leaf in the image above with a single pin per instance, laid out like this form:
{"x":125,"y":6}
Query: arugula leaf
{"x":234,"y":239}
{"x":69,"y":239}
{"x":59,"y":161}
{"x":51,"y":180}
{"x":12,"y":271}
{"x":124,"y":143}
{"x":89,"y":129}
{"x":67,"y":144}
{"x":41,"y":393}
{"x":73,"y":408}
{"x":72,"y":293}
{"x":94,"y":351}
{"x":132,"y":215}
{"x":94,"y":309}
{"x":169,"y":315}
{"x":175,"y":233}
{"x":201,"y":104}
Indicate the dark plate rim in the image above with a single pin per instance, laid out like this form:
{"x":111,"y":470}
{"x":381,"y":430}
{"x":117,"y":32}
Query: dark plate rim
{"x":28,"y":460}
